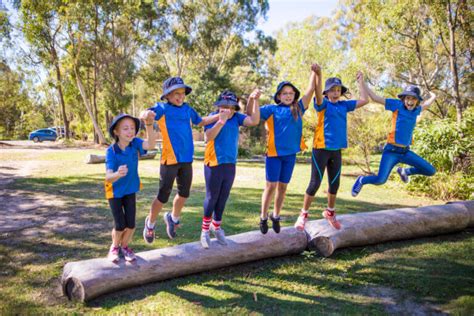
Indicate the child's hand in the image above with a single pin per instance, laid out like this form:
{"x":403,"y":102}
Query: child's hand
{"x":224,"y":115}
{"x":360,"y":77}
{"x":147,"y":116}
{"x":122,"y":171}
{"x":255,"y":94}
{"x":316,"y":68}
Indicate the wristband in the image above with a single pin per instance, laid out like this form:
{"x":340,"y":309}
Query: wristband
{"x":149,"y":124}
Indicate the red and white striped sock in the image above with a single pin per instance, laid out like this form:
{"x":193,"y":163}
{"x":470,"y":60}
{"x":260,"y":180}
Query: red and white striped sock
{"x":206,"y":222}
{"x":216,"y":224}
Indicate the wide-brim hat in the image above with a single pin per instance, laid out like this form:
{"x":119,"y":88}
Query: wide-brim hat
{"x":118,"y":118}
{"x":228,"y":98}
{"x":280,"y":87}
{"x":413,"y":91}
{"x":334,"y":82}
{"x":172,"y":84}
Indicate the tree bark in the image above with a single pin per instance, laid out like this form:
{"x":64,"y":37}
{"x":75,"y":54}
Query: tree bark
{"x":452,"y":25}
{"x":375,"y":227}
{"x":83,"y":92}
{"x":85,"y":280}
{"x":60,"y":92}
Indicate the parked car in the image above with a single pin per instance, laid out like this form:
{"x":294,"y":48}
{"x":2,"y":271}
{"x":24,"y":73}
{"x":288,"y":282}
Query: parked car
{"x":59,"y":129}
{"x":43,"y":134}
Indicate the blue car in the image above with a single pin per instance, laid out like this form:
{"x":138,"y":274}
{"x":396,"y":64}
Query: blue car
{"x":43,"y":134}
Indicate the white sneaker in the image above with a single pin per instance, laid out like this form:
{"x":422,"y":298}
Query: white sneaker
{"x":205,"y":239}
{"x":301,"y":222}
{"x":219,"y":234}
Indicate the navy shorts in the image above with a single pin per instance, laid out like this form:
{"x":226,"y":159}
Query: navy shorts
{"x":280,"y":169}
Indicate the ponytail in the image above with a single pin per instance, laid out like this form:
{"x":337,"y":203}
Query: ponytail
{"x":295,"y":110}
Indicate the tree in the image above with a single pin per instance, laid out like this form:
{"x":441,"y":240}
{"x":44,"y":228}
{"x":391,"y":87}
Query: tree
{"x":41,"y":27}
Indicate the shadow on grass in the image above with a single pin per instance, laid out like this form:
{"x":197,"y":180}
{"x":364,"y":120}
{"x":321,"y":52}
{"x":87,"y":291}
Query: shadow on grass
{"x":307,"y":284}
{"x":438,"y":279}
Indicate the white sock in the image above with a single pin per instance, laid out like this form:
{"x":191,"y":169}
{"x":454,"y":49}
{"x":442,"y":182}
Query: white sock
{"x":149,"y":224}
{"x":303,"y":211}
{"x":331,"y":209}
{"x":174,"y":219}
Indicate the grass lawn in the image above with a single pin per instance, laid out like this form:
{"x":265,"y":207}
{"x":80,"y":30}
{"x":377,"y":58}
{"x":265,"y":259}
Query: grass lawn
{"x":423,"y":275}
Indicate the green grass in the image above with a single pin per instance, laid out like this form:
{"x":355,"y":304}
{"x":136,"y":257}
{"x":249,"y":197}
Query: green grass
{"x":435,"y":271}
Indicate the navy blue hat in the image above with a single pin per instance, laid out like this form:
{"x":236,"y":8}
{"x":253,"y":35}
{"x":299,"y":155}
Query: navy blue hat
{"x":280,"y":87}
{"x":174,"y":83}
{"x":228,"y":98}
{"x":413,"y":91}
{"x":117,"y":119}
{"x":333,"y":82}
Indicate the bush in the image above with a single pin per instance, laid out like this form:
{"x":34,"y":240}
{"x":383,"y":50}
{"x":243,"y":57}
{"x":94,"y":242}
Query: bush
{"x":449,"y":148}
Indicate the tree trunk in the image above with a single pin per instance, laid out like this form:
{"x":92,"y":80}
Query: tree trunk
{"x":83,"y":92}
{"x":61,"y":96}
{"x":375,"y":227}
{"x":85,"y":280}
{"x":92,"y":159}
{"x":452,"y":24}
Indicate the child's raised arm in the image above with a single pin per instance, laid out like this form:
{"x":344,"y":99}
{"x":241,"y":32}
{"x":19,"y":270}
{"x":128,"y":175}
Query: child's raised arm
{"x":318,"y":84}
{"x":315,"y":73}
{"x":372,"y":95}
{"x":148,"y":117}
{"x":254,"y":117}
{"x":364,"y":96}
{"x":425,"y":104}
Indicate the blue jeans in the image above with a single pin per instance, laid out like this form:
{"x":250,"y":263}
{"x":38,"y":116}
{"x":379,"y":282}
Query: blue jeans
{"x":393,"y":155}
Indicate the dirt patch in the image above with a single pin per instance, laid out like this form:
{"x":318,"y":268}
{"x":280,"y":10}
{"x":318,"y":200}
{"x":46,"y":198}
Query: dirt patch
{"x":395,"y":302}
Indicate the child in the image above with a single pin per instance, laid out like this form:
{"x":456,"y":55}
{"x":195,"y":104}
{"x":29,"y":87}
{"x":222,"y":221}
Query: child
{"x":174,"y":120}
{"x":284,"y":125}
{"x":220,"y":159}
{"x":329,"y":138}
{"x":122,"y":181}
{"x":397,"y":150}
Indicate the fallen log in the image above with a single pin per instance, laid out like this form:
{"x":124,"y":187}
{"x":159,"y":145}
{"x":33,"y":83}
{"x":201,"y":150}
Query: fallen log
{"x":85,"y":280}
{"x":376,"y":227}
{"x":91,"y":159}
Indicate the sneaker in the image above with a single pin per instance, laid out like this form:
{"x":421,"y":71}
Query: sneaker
{"x":264,"y":226}
{"x":148,"y":233}
{"x":205,"y":239}
{"x":357,"y":186}
{"x":301,"y":221}
{"x":128,"y":254}
{"x":403,"y":174}
{"x":331,"y":217}
{"x":275,"y":223}
{"x":220,"y":235}
{"x":170,"y":225}
{"x":114,"y":254}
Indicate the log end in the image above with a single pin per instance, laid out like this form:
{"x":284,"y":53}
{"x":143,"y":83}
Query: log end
{"x":73,"y":289}
{"x":323,"y":245}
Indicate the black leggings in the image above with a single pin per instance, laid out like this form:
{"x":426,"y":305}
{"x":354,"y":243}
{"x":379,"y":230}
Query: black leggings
{"x":182,"y":172}
{"x":124,"y":210}
{"x":321,"y":159}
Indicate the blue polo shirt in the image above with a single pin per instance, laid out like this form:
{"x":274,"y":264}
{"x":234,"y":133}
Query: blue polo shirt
{"x":331,"y":128}
{"x":284,"y":133}
{"x":224,"y":148}
{"x":116,"y":157}
{"x":175,"y":126}
{"x":403,"y":122}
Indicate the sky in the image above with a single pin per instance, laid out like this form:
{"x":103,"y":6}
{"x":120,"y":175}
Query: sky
{"x":283,"y":11}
